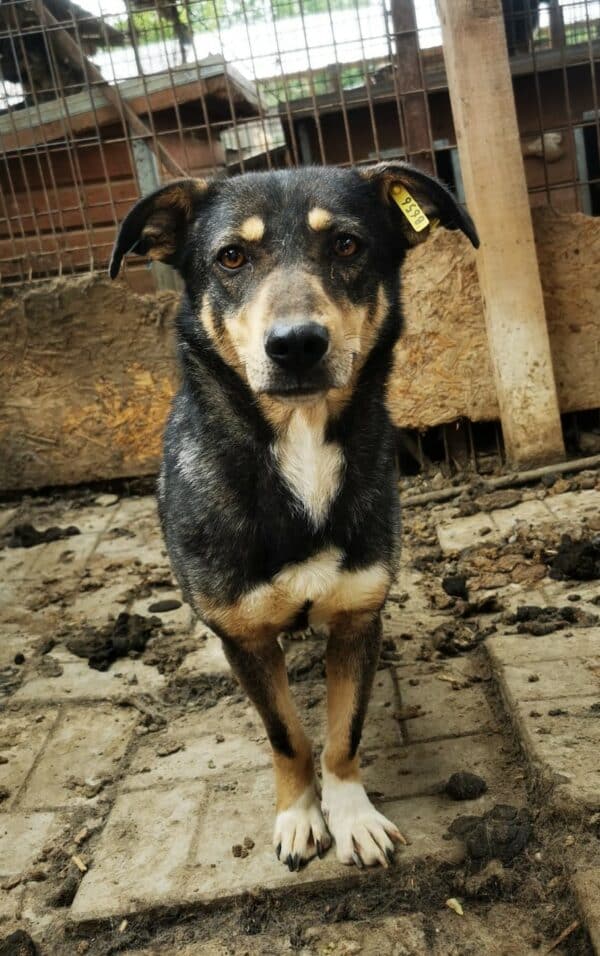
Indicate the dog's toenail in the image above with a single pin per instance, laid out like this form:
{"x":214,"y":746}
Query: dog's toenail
{"x":278,"y":850}
{"x":319,"y":850}
{"x":357,"y":860}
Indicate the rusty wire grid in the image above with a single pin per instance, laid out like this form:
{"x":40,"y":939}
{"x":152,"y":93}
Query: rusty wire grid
{"x":102,"y":101}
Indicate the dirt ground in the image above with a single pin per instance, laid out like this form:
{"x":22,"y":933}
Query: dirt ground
{"x":135,"y":800}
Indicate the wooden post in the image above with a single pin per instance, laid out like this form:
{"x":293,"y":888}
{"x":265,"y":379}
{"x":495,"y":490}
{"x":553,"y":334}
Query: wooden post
{"x":481,"y":94}
{"x":413,"y":98}
{"x":557,"y":25}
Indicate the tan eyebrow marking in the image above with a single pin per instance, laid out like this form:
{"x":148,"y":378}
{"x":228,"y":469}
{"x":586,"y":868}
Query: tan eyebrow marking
{"x":319,"y":219}
{"x":252,"y":229}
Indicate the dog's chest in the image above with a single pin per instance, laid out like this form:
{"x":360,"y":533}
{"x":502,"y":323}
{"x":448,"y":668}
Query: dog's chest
{"x":319,"y":586}
{"x":311,"y":467}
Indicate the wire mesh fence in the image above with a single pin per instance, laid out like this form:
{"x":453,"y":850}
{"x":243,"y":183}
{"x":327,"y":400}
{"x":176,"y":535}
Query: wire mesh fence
{"x":101,"y":102}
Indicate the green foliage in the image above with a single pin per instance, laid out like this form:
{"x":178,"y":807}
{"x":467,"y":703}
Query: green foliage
{"x":329,"y":80}
{"x":204,"y":16}
{"x":147,"y":26}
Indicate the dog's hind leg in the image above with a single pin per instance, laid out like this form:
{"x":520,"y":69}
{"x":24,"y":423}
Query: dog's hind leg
{"x":300,"y":832}
{"x":362,"y":835}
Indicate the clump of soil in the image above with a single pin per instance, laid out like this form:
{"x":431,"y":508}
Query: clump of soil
{"x":459,"y":637}
{"x":487,"y":604}
{"x":503,"y":498}
{"x":465,"y":786}
{"x":538,"y":621}
{"x":161,"y":607}
{"x":501,"y":833}
{"x":102,"y":646}
{"x":455,"y":585}
{"x":166,"y":650}
{"x":305,"y":663}
{"x":493,"y":566}
{"x":19,"y":943}
{"x":491,"y":882}
{"x":578,"y":559}
{"x":26,"y":536}
{"x":65,"y":894}
{"x":201,"y":691}
{"x":11,"y":679}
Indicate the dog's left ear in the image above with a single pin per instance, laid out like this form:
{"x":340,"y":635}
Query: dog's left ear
{"x":156,"y":225}
{"x":419,"y":201}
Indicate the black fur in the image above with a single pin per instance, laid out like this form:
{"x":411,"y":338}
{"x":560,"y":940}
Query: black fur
{"x":231,"y":522}
{"x":229,"y":518}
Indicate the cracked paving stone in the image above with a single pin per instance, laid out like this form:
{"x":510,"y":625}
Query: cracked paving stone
{"x":21,"y":741}
{"x":22,"y":837}
{"x":83,"y":750}
{"x":141,"y":859}
{"x":561,"y":738}
{"x":441,"y":710}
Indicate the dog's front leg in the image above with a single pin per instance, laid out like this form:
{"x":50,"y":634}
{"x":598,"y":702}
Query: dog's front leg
{"x":300,"y":832}
{"x":362,"y":835}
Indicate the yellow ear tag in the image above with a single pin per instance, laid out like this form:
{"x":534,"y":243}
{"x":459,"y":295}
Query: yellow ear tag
{"x":409,"y":207}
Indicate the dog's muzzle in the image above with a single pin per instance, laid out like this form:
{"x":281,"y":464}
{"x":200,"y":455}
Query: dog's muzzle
{"x":297,"y":348}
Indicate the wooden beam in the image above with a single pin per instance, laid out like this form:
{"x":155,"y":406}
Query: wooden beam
{"x":413,"y":98}
{"x":483,"y":106}
{"x":66,"y":46}
{"x":557,"y":25}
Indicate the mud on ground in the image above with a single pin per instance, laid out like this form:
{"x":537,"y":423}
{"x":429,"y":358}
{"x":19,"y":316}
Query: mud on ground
{"x":510,"y":895}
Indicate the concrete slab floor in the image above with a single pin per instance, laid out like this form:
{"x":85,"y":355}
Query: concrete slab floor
{"x":145,"y":788}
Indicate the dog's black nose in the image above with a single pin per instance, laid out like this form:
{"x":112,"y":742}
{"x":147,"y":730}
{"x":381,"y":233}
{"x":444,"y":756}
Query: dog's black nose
{"x":297,"y":348}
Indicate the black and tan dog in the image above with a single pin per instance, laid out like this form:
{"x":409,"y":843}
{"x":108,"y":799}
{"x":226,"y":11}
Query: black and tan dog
{"x":277,"y":494}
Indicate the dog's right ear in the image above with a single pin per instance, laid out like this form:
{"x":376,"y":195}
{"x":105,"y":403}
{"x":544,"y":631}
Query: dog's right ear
{"x":156,"y":225}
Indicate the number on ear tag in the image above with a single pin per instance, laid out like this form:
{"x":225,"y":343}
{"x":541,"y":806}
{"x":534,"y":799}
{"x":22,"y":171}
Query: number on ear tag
{"x":409,"y":207}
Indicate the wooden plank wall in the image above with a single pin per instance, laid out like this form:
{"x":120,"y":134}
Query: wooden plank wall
{"x":60,"y":204}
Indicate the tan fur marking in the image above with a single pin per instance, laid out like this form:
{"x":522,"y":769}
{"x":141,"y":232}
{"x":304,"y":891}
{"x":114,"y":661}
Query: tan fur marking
{"x":355,"y":592}
{"x":344,"y":674}
{"x":267,"y":609}
{"x":278,"y":414}
{"x":292,"y":777}
{"x":319,"y":219}
{"x":220,"y":338}
{"x":161,"y":251}
{"x":182,"y":195}
{"x":341,"y":702}
{"x":252,"y":229}
{"x":351,"y":328}
{"x":292,"y":774}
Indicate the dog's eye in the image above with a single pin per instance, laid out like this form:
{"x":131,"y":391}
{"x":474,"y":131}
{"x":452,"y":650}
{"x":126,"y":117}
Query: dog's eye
{"x":232,"y":257}
{"x":345,"y":246}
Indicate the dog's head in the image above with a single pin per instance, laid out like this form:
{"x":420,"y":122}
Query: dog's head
{"x":292,"y":274}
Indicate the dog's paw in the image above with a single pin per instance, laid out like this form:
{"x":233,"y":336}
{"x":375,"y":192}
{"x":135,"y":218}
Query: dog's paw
{"x":362,"y":835}
{"x":300,"y":831}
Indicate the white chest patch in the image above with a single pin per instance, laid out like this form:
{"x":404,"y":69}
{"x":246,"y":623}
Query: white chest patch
{"x":311,"y":467}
